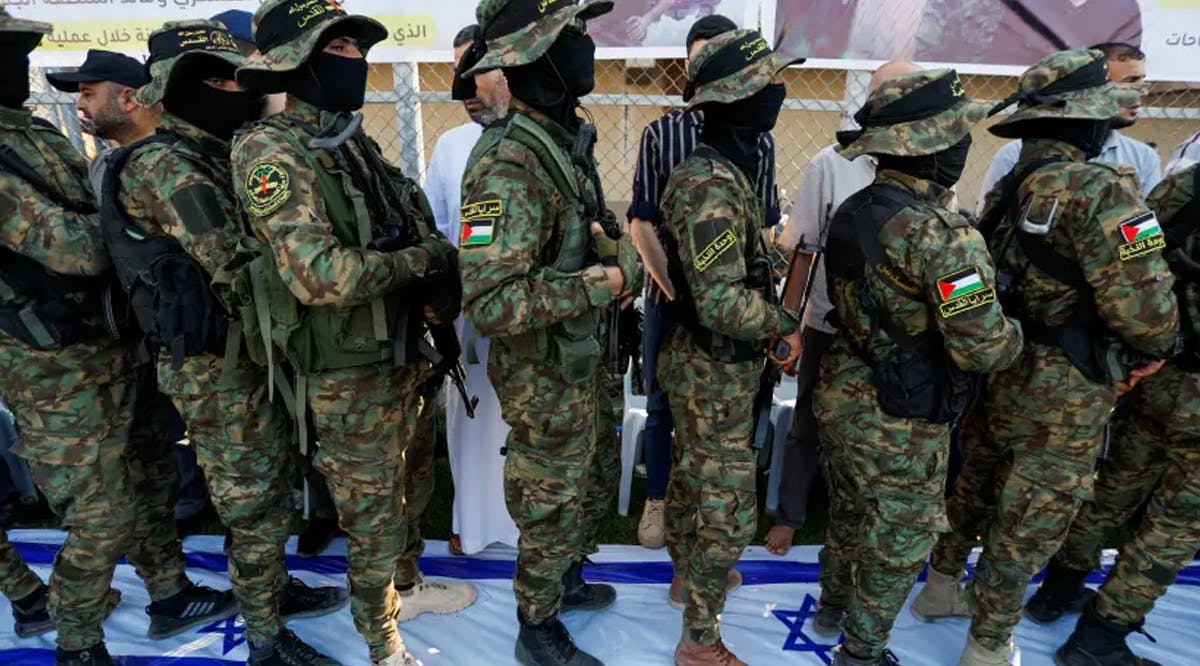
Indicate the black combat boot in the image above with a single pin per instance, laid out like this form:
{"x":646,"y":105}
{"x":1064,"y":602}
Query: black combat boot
{"x":97,"y":655}
{"x":1098,"y":642}
{"x":842,"y":657}
{"x":549,"y":644}
{"x":31,"y":616}
{"x":578,"y":594}
{"x":316,"y":537}
{"x":298,"y":600}
{"x":288,"y":650}
{"x":195,"y":605}
{"x":1061,"y":592}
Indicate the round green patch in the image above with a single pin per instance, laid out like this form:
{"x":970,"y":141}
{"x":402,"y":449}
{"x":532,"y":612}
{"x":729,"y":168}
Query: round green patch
{"x":268,"y":187}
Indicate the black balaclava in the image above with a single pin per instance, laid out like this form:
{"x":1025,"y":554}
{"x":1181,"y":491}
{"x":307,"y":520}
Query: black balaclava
{"x":734,"y":128}
{"x":218,"y":112}
{"x":944,"y":167}
{"x":553,"y":83}
{"x":331,"y":82}
{"x":14,"y":70}
{"x":1086,"y":135}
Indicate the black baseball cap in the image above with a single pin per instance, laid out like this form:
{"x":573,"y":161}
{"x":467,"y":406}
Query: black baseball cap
{"x":102,"y":66}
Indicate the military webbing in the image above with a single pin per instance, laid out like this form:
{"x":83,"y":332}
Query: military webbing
{"x":549,"y":153}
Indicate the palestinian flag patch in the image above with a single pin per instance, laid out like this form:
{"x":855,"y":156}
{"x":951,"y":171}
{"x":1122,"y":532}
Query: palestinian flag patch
{"x":476,"y":232}
{"x":1141,"y":235}
{"x":963,"y":290}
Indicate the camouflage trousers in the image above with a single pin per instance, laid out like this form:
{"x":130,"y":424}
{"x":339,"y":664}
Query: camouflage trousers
{"x":1048,"y":479}
{"x":242,"y":443}
{"x":841,"y":531}
{"x":605,"y":474}
{"x":1155,"y":455}
{"x":17,"y":580}
{"x":365,"y":418}
{"x":973,"y":504}
{"x":103,"y":461}
{"x":711,"y":508}
{"x":552,"y":446}
{"x":890,"y":474}
{"x":418,"y":489}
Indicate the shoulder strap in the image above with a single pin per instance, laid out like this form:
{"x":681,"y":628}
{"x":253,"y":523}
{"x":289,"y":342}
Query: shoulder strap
{"x":882,"y":204}
{"x":1034,"y":247}
{"x":110,"y":189}
{"x":553,"y":158}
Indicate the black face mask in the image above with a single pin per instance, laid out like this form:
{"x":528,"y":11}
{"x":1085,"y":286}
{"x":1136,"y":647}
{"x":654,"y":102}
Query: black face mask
{"x":944,"y":167}
{"x":331,"y":82}
{"x":218,"y":112}
{"x":554,"y":82}
{"x":1086,"y":135}
{"x":14,"y":74}
{"x":734,"y":129}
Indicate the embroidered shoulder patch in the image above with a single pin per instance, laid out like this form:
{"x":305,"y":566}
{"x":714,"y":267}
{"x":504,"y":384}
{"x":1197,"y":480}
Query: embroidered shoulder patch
{"x":1140,"y":235}
{"x":478,"y":221}
{"x":961,"y":291}
{"x":719,"y":246}
{"x":268,"y":188}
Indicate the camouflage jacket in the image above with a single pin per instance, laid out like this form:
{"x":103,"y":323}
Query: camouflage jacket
{"x":278,"y":188}
{"x":711,"y":211}
{"x":1168,"y":201}
{"x":938,"y":250}
{"x":508,"y":287}
{"x":1101,"y":223}
{"x":184,"y":190}
{"x":38,"y":227}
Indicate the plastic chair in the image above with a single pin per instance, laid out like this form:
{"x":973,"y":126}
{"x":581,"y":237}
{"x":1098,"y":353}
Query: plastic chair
{"x":633,"y":425}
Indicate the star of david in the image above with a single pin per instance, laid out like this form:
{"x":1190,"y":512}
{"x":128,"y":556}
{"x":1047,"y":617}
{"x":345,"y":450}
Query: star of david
{"x":233,"y":633}
{"x":797,"y":640}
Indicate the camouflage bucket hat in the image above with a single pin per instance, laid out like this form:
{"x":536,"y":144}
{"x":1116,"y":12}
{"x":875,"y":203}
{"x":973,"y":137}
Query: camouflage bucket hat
{"x":179,"y":42}
{"x":30,"y":31}
{"x":919,"y":113}
{"x":1067,"y":85}
{"x":732,"y":66}
{"x":518,"y":32}
{"x":287,"y":32}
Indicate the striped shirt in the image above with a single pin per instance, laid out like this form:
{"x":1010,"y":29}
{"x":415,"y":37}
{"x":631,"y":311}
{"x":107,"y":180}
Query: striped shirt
{"x":667,"y":142}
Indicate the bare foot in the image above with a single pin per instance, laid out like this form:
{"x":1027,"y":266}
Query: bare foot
{"x":779,"y":539}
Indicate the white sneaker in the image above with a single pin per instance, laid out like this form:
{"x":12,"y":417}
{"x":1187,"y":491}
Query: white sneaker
{"x":435,"y":596}
{"x":652,"y":529}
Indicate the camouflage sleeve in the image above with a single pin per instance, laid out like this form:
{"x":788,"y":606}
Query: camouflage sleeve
{"x":165,"y":193}
{"x":1120,"y":251}
{"x":279,"y":191}
{"x":959,"y":279}
{"x":36,"y":227}
{"x":712,"y":247}
{"x":507,"y":202}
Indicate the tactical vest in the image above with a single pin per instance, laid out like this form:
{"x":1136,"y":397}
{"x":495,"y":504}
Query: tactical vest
{"x":169,"y":291}
{"x":1084,"y":339}
{"x":44,"y":309}
{"x":1183,"y":256}
{"x":312,"y":338}
{"x":914,"y":376}
{"x":718,"y":346}
{"x":575,"y":346}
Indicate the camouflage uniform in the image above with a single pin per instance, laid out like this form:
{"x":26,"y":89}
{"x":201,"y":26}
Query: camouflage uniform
{"x":892,"y":469}
{"x":711,"y":510}
{"x":418,"y":490}
{"x":17,"y":580}
{"x":109,"y":474}
{"x":183,"y":189}
{"x":555,"y":486}
{"x":1155,"y":455}
{"x":1096,"y":212}
{"x":365,"y":411}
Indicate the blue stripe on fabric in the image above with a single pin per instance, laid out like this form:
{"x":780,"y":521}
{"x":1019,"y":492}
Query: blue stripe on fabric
{"x":44,"y":657}
{"x":754,"y":572}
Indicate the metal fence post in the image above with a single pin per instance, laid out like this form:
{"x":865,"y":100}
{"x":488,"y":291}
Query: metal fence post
{"x":406,"y":85}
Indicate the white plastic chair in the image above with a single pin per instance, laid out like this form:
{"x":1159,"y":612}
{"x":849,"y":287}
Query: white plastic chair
{"x":633,"y":425}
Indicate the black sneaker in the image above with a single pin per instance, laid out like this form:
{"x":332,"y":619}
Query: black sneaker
{"x":578,"y":594}
{"x":288,"y":650}
{"x":316,"y":537}
{"x":31,"y":615}
{"x":194,"y":606}
{"x":97,"y":655}
{"x":549,"y":644}
{"x":298,"y":600}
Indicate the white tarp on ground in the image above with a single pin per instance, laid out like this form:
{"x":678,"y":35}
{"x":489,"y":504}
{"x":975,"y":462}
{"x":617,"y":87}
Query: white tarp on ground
{"x":766,"y":621}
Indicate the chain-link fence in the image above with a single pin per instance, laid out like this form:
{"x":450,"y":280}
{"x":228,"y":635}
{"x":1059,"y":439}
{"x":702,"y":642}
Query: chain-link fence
{"x":409,"y":108}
